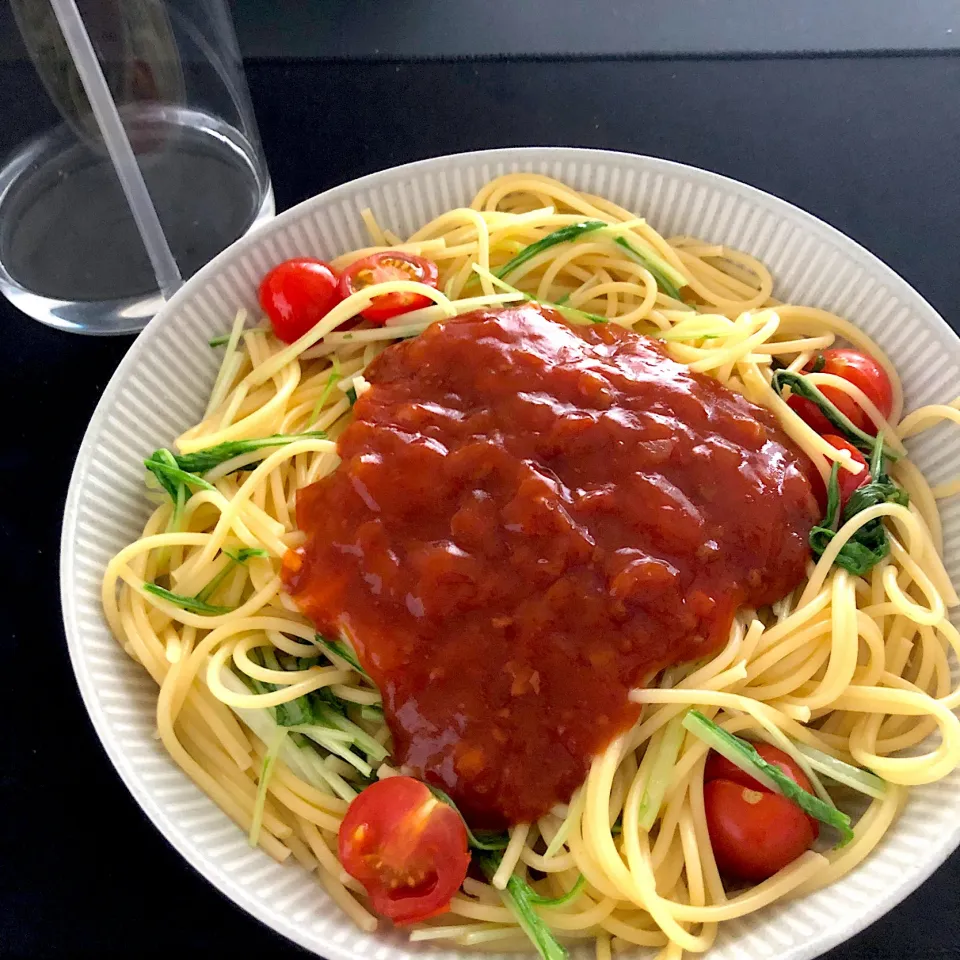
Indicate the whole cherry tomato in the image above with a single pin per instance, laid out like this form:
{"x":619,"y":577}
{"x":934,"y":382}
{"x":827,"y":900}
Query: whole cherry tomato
{"x":297,"y":294}
{"x":753,"y":831}
{"x":859,"y":369}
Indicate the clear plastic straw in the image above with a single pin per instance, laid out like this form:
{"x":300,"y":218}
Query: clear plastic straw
{"x":118,"y":145}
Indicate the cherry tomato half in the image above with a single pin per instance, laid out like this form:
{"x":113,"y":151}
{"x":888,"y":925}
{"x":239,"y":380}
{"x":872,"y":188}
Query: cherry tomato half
{"x":753,"y":831}
{"x":862,"y":371}
{"x":407,"y":848}
{"x":297,"y":294}
{"x":389,"y":265}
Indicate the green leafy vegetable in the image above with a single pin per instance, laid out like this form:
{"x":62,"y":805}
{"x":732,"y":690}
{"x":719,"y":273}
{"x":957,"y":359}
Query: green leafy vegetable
{"x":240,"y":557}
{"x":165,"y":469}
{"x":660,"y":773}
{"x":293,"y":713}
{"x":822,"y":534}
{"x":332,"y":381}
{"x":339,"y":649}
{"x":334,"y":742}
{"x":519,"y":899}
{"x":320,"y":716}
{"x":179,"y":492}
{"x":371,"y":713}
{"x":220,"y":341}
{"x":572,"y":313}
{"x":351,"y":393}
{"x":245,"y":553}
{"x":297,"y":751}
{"x":183,"y":494}
{"x":485,"y":841}
{"x":179,"y":474}
{"x":327,"y":716}
{"x":187,"y":603}
{"x":368,"y":711}
{"x":870,"y":544}
{"x":854,"y":777}
{"x":802,"y":387}
{"x":202,"y":461}
{"x":668,"y":279}
{"x":744,"y":755}
{"x":266,"y":772}
{"x":160,"y":464}
{"x":327,"y":696}
{"x":168,"y":474}
{"x":567,"y":897}
{"x":564,"y":235}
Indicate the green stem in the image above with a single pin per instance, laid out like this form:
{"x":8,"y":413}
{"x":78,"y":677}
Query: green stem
{"x":803,"y":387}
{"x":744,"y":755}
{"x":668,"y":279}
{"x":518,"y":898}
{"x":560,"y":901}
{"x":186,"y":603}
{"x":202,"y":461}
{"x":564,"y":235}
{"x":494,"y":843}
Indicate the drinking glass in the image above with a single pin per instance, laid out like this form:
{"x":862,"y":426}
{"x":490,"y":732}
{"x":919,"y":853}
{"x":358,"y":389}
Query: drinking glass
{"x":71,"y":254}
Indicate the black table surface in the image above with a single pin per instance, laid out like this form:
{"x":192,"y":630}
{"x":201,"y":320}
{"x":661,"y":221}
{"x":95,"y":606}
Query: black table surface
{"x":346,"y":29}
{"x":421,"y":29}
{"x":868,"y":144}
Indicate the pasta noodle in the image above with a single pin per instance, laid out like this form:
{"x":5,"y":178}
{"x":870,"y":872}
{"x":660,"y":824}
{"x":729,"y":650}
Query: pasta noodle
{"x":856,"y":667}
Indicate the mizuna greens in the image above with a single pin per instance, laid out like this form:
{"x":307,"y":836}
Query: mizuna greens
{"x":203,"y":461}
{"x":803,"y":387}
{"x":340,"y":649}
{"x":863,"y":781}
{"x":198,"y":603}
{"x":180,"y":474}
{"x":870,"y":543}
{"x":187,"y":603}
{"x":564,"y":235}
{"x":237,"y":558}
{"x":482,"y":841}
{"x":520,"y":899}
{"x":743,"y":754}
{"x":668,"y":279}
{"x":320,"y":716}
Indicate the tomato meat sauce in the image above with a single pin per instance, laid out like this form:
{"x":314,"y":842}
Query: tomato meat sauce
{"x":528,"y":520}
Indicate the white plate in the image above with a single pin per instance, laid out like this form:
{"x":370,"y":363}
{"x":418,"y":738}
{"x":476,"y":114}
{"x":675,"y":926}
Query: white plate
{"x":161,"y":387}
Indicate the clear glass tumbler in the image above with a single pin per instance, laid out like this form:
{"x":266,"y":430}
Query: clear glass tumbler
{"x":70,"y":251}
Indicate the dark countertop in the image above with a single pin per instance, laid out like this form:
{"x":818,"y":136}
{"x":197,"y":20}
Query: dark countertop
{"x":420,"y":29}
{"x":868,"y":144}
{"x":348,"y":29}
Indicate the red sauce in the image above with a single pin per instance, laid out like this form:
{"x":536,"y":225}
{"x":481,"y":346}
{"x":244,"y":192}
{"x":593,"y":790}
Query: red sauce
{"x":530,"y":519}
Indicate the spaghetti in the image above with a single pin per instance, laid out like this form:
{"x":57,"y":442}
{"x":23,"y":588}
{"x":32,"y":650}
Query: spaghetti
{"x":850,"y":672}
